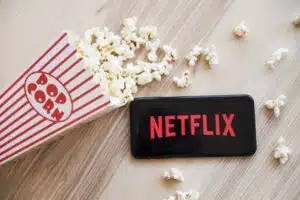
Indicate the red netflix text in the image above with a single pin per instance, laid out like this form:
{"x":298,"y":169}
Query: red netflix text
{"x":164,"y":126}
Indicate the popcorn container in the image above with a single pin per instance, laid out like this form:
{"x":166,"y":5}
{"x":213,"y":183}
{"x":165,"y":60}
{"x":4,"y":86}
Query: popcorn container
{"x":53,"y":94}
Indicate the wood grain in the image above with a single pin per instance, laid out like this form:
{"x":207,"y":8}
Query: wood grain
{"x":93,"y":161}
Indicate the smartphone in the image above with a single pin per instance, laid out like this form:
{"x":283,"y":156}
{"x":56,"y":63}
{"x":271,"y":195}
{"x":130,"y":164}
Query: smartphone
{"x":193,"y":126}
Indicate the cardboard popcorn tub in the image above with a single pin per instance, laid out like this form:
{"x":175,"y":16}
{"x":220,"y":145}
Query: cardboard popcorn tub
{"x":52,"y":95}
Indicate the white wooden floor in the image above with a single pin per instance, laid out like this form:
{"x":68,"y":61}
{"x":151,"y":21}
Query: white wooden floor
{"x":93,"y":161}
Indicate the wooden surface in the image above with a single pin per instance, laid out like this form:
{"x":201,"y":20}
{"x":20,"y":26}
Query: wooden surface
{"x":93,"y":161}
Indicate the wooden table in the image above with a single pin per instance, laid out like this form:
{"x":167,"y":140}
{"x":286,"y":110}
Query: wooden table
{"x":94,"y":162}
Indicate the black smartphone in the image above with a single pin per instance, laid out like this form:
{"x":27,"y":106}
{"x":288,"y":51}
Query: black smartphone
{"x":192,"y":126}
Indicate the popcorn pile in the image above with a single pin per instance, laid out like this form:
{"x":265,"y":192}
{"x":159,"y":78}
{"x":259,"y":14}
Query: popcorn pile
{"x":174,"y":173}
{"x":209,"y":55}
{"x":190,"y":195}
{"x":110,"y":58}
{"x":282,"y":152}
{"x":276,"y":104}
{"x":276,"y":57}
{"x":241,"y":30}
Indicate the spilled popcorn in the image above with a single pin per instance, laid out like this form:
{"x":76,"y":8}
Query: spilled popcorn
{"x":170,"y":53}
{"x":282,"y":152}
{"x":153,"y":48}
{"x":276,"y":104}
{"x":109,"y":58}
{"x":174,"y":173}
{"x":240,"y":30}
{"x":209,"y":55}
{"x":190,"y":195}
{"x":276,"y":57}
{"x":170,"y":198}
{"x":193,"y":55}
{"x":297,"y":20}
{"x":184,"y":81}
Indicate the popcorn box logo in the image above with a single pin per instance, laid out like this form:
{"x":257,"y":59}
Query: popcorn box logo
{"x":48,"y":96}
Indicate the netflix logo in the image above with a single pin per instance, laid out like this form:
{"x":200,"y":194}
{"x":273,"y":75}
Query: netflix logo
{"x":164,"y":126}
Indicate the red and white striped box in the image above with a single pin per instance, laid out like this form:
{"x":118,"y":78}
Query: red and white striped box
{"x":55,"y":93}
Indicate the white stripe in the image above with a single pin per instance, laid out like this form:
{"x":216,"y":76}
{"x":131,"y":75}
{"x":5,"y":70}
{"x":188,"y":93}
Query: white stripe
{"x":13,"y":108}
{"x":21,"y":129}
{"x":58,"y":59}
{"x":23,"y":110}
{"x":64,"y":66}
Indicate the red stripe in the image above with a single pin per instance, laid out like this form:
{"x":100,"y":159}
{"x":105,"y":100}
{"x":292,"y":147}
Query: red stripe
{"x":75,"y":76}
{"x":18,"y":135}
{"x":49,"y":134}
{"x":19,"y":126}
{"x":88,"y":103}
{"x":17,"y":119}
{"x":33,"y":65}
{"x":70,"y":67}
{"x":80,"y":84}
{"x":14,"y":103}
{"x":53,"y":57}
{"x":63,"y":61}
{"x":13,"y":94}
{"x":85,"y":93}
{"x":10,"y":115}
{"x":23,"y":132}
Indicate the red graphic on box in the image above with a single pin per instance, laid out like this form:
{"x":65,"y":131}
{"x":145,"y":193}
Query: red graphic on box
{"x":48,"y":96}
